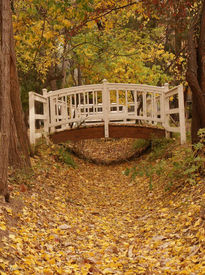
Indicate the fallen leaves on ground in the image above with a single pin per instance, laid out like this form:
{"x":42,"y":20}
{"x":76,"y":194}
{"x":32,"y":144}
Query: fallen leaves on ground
{"x":95,"y":220}
{"x":107,"y":151}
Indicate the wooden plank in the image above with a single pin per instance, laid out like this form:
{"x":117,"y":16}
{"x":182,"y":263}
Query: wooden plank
{"x":122,"y":131}
{"x":172,"y":111}
{"x":78,"y":134}
{"x":116,"y":131}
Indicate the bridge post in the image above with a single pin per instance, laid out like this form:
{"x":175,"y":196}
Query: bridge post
{"x":52,"y":113}
{"x":105,"y":103}
{"x":182,"y":123}
{"x":165,"y":108}
{"x":32,"y":117}
{"x":46,"y":111}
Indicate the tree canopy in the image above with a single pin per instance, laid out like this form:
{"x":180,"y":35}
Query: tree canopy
{"x":73,"y":42}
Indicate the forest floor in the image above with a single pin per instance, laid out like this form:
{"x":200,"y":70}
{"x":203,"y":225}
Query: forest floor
{"x":93,"y":219}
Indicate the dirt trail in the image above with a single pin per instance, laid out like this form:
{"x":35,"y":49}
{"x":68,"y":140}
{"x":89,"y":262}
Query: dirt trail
{"x":95,"y":220}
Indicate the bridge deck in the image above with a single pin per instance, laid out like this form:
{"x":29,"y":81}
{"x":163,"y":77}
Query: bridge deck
{"x":115,"y":131}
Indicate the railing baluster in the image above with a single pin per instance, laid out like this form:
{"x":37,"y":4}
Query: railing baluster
{"x":46,"y":111}
{"x":32,"y":117}
{"x":182,"y":114}
{"x":117,"y":101}
{"x":106,"y":107}
{"x":144,"y":104}
{"x":166,"y":109}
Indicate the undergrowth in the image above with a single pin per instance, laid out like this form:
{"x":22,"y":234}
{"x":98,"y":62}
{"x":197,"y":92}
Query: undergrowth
{"x":64,"y":156}
{"x":59,"y":152}
{"x":171,"y":164}
{"x":141,"y":143}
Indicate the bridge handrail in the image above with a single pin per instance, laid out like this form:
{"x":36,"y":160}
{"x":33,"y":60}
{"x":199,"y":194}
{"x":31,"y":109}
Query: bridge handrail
{"x":138,"y":87}
{"x":176,"y":91}
{"x":35,"y":97}
{"x":78,"y":89}
{"x":99,"y":87}
{"x":62,"y":108}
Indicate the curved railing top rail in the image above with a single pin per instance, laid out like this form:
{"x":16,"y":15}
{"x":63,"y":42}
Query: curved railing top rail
{"x":66,"y":91}
{"x":99,"y":87}
{"x":138,"y":87}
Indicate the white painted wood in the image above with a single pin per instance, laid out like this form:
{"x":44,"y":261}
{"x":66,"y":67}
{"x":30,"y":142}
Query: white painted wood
{"x":39,"y":98}
{"x":144,"y":103}
{"x":72,"y":106}
{"x":38,"y":135}
{"x":173,"y":111}
{"x":171,"y":92}
{"x":166,"y":109}
{"x":106,"y":107}
{"x":32,"y":117}
{"x":182,"y":114}
{"x":53,"y":112}
{"x":46,"y":111}
{"x":173,"y":129}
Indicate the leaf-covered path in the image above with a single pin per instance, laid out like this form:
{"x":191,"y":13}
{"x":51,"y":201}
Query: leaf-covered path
{"x":95,"y":220}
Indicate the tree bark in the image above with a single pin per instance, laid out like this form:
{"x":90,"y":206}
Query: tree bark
{"x":22,"y":142}
{"x":5,"y":97}
{"x":196,"y":74}
{"x":14,"y":144}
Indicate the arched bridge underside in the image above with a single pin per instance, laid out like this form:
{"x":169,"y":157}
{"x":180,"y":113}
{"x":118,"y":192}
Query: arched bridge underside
{"x":115,"y":131}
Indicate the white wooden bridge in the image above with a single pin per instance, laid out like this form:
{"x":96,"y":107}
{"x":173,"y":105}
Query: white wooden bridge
{"x":63,"y":113}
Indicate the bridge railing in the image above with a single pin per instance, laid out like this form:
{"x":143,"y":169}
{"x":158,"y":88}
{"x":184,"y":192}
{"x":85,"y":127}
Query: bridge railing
{"x":38,"y":115}
{"x":108,"y":103}
{"x":174,"y":113}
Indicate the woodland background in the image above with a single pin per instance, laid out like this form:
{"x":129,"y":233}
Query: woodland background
{"x":69,"y":216}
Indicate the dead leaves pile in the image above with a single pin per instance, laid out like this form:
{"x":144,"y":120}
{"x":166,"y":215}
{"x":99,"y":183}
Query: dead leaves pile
{"x":94,"y":220}
{"x":107,"y":151}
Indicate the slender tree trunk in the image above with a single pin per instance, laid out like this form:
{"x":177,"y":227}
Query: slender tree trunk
{"x":5,"y":96}
{"x":196,"y":74}
{"x":79,"y":76}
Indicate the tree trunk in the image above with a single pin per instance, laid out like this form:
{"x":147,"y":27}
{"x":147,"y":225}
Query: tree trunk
{"x":79,"y":76}
{"x":5,"y":96}
{"x":22,"y":141}
{"x":196,"y":75}
{"x":14,"y":144}
{"x":14,"y":147}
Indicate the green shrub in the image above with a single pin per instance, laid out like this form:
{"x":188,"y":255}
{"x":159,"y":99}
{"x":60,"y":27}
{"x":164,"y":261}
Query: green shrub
{"x":159,"y":148}
{"x":65,"y":157}
{"x":178,"y":167}
{"x":141,"y":143}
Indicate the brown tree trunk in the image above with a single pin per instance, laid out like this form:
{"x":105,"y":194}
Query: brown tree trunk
{"x":14,"y":147}
{"x":5,"y":96}
{"x":196,"y":74}
{"x":14,"y":144}
{"x":79,"y":76}
{"x":22,"y":142}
